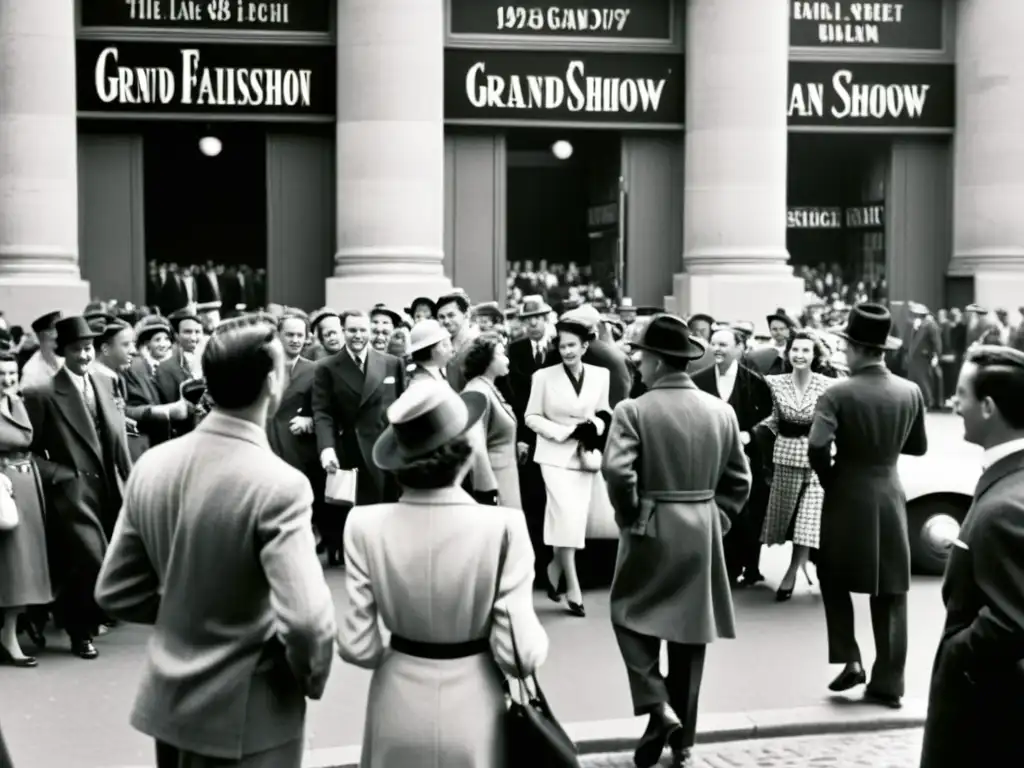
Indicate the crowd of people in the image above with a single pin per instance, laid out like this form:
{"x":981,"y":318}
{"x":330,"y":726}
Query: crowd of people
{"x":140,"y":449}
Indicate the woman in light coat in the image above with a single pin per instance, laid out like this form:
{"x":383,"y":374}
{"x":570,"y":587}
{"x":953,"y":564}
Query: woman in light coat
{"x":568,"y":409}
{"x":451,"y":581}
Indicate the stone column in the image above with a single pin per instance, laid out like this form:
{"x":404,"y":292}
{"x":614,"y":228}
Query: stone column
{"x":988,"y":221}
{"x":734,"y":208}
{"x":38,"y":161}
{"x":390,"y":182}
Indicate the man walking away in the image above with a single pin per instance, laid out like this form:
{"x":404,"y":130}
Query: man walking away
{"x":214,"y":548}
{"x":871,"y":417}
{"x":976,"y":703}
{"x":672,"y":508}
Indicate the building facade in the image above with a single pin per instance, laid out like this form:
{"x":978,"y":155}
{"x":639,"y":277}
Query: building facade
{"x":355,"y":151}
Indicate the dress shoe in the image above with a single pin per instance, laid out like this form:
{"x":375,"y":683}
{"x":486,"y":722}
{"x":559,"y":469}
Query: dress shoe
{"x":84,"y":649}
{"x":663,"y":728}
{"x":35,"y":634}
{"x":882,"y":699}
{"x":8,"y":660}
{"x":576,"y":609}
{"x":851,"y":676}
{"x":682,"y":758}
{"x":750,"y":578}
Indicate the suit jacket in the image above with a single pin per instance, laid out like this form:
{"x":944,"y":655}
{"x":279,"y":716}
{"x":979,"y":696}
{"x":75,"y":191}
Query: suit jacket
{"x":215,"y":550}
{"x":350,"y":412}
{"x":522,"y":366}
{"x":172,"y":295}
{"x":83,"y":470}
{"x":555,"y":410}
{"x":872,"y":417}
{"x":977,"y":690}
{"x":676,"y":474}
{"x":766,"y":360}
{"x":297,"y":400}
{"x":456,"y":376}
{"x":141,"y":395}
{"x":170,"y":375}
{"x":751,"y":398}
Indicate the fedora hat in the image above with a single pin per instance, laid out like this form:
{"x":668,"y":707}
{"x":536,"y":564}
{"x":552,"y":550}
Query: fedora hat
{"x":533,"y":306}
{"x":46,"y":322}
{"x":489,"y":309}
{"x":586,"y":315}
{"x":149,"y":327}
{"x":421,"y":301}
{"x":869,"y":325}
{"x":572,"y":325}
{"x":424,"y":418}
{"x":72,"y":329}
{"x":426,"y":333}
{"x":669,"y":335}
{"x":783,"y":317}
{"x":381,"y":309}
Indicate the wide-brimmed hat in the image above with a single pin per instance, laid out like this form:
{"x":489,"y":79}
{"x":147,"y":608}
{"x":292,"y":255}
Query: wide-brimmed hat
{"x":426,"y":333}
{"x":783,"y":317}
{"x":381,"y":309}
{"x":533,"y":306}
{"x":701,"y":316}
{"x":670,"y":336}
{"x":149,"y":327}
{"x":916,"y":308}
{"x":586,"y":315}
{"x":869,"y":325}
{"x":110,"y":330}
{"x":46,"y":322}
{"x":424,"y":418}
{"x":976,"y":308}
{"x":72,"y":329}
{"x":489,"y":309}
{"x":421,"y":301}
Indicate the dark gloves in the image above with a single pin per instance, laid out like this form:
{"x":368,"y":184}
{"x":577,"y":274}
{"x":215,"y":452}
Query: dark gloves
{"x":487,"y":498}
{"x":585,"y":432}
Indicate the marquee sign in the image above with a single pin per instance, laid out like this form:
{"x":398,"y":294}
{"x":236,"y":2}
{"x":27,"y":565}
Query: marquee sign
{"x":623,"y":19}
{"x":869,"y":94}
{"x":205,"y":78}
{"x":585,"y":87}
{"x":910,"y":24}
{"x":262,"y":15}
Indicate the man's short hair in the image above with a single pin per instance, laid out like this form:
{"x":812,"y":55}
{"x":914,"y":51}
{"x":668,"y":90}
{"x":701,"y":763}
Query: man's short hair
{"x":999,"y":375}
{"x":352,"y":313}
{"x":293,"y":314}
{"x":237,"y":359}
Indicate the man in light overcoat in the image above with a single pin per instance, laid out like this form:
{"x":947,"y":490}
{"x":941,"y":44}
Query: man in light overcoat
{"x":976,"y":703}
{"x":214,"y":549}
{"x":871,"y":417}
{"x":673,"y":507}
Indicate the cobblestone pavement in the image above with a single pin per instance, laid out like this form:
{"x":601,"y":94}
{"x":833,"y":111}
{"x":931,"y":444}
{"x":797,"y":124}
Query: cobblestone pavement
{"x":880,"y":749}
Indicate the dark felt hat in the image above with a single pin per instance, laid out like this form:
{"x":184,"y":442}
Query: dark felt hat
{"x":424,"y":418}
{"x":421,"y":301}
{"x":670,"y":336}
{"x":489,"y":309}
{"x":110,"y":330}
{"x":869,"y":325}
{"x":701,"y":316}
{"x":46,"y":322}
{"x":533,"y":306}
{"x":149,"y":327}
{"x":381,"y":309}
{"x":578,"y":327}
{"x":780,"y":315}
{"x":320,"y":315}
{"x":73,"y":329}
{"x":99,"y":316}
{"x":185,"y":313}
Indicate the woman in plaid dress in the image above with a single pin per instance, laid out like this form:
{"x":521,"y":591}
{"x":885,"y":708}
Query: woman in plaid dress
{"x":794,"y":507}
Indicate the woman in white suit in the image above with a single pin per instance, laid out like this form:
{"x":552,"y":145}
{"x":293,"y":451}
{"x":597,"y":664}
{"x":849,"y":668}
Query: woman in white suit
{"x":568,"y":409}
{"x":450,"y":582}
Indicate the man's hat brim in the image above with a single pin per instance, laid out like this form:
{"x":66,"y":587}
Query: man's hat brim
{"x":891,"y":344}
{"x":696,"y":347}
{"x":390,"y":456}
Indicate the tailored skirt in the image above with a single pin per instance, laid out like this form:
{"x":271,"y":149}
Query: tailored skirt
{"x":24,"y":566}
{"x":570,"y":494}
{"x":796,"y":492}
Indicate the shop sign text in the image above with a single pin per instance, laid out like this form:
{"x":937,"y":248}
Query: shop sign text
{"x":279,"y":15}
{"x":866,"y":217}
{"x":813,"y":217}
{"x":141,"y":77}
{"x":588,"y":87}
{"x":636,"y":19}
{"x":869,"y":94}
{"x":911,"y":24}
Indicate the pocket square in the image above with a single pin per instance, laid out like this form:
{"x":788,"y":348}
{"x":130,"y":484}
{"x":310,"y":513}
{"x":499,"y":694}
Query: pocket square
{"x":389,"y":379}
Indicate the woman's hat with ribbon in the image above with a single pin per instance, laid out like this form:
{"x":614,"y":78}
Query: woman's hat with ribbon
{"x":427,"y":416}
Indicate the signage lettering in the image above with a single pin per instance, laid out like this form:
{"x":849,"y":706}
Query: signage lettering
{"x":200,"y":77}
{"x":288,"y":15}
{"x":572,"y":87}
{"x":871,"y":94}
{"x":807,"y":217}
{"x":911,"y":24}
{"x":865,"y":217}
{"x":636,"y":19}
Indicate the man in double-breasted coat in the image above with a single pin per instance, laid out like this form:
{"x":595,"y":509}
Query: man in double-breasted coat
{"x":81,"y":450}
{"x":676,"y":476}
{"x":923,"y":352}
{"x":871,"y":417}
{"x":976,"y":703}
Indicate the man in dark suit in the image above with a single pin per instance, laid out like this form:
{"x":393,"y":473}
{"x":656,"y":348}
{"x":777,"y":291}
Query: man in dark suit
{"x":351,"y":394}
{"x":976,"y":702}
{"x":871,"y":417}
{"x":770,"y":360}
{"x":923,"y":352}
{"x":748,"y":394}
{"x":82,"y":453}
{"x":184,"y":363}
{"x":155,"y":419}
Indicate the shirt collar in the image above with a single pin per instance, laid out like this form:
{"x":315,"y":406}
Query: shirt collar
{"x":79,"y":381}
{"x":357,"y":357}
{"x":730,"y":372}
{"x":1001,"y":451}
{"x":105,"y":369}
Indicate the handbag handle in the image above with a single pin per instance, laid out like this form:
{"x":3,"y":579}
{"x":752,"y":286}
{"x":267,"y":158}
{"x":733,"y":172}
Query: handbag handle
{"x":521,"y":678}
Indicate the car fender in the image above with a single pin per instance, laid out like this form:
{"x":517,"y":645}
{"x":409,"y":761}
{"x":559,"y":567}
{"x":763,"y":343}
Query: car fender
{"x":926,"y":476}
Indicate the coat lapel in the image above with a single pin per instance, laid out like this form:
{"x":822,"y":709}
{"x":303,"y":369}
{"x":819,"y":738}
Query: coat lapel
{"x":1005,"y":466}
{"x":74,"y":411}
{"x":375,"y":367}
{"x":18,"y":415}
{"x":348,"y":371}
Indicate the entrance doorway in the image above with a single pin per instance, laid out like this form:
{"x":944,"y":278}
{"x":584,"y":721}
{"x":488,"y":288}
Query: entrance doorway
{"x":564,"y":210}
{"x":836,"y":222}
{"x":205,"y":214}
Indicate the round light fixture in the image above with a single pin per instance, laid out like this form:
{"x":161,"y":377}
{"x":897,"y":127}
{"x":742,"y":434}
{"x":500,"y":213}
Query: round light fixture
{"x":210,"y":146}
{"x":562,"y":149}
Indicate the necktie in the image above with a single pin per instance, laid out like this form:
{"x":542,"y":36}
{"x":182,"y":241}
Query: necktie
{"x":186,"y":365}
{"x":90,"y":399}
{"x":538,"y":356}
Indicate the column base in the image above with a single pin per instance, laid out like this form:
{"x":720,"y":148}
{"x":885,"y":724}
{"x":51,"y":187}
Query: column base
{"x":397,"y":291}
{"x":24,"y":299}
{"x":999,"y":289}
{"x":732,"y":297}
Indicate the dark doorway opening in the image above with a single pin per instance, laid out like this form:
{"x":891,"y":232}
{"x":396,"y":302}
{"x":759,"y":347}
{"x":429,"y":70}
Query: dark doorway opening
{"x":563,"y":234}
{"x":836,"y":223}
{"x":205,"y":214}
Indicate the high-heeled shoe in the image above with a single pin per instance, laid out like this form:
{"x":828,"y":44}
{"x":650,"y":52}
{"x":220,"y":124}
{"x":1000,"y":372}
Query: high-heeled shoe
{"x":554,"y":593}
{"x":25,"y":662}
{"x":803,"y":569}
{"x":782,"y":595}
{"x":576,"y":609}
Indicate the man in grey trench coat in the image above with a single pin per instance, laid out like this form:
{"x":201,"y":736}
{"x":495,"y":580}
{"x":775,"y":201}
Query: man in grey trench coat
{"x":871,"y":417}
{"x":672,"y":507}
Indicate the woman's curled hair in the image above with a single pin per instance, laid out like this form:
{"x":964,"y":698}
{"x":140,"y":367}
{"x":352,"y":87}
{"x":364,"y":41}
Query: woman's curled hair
{"x":439,"y":468}
{"x":480,"y":354}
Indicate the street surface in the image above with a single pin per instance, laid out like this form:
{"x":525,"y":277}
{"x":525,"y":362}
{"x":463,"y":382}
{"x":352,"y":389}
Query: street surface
{"x":74,"y":714}
{"x":883,"y":749}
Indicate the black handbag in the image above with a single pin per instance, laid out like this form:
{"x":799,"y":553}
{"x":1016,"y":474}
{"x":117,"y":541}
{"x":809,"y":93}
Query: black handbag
{"x":533,"y":735}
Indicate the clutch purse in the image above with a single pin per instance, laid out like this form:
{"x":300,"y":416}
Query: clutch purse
{"x":8,"y":510}
{"x":590,"y":461}
{"x":340,"y":488}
